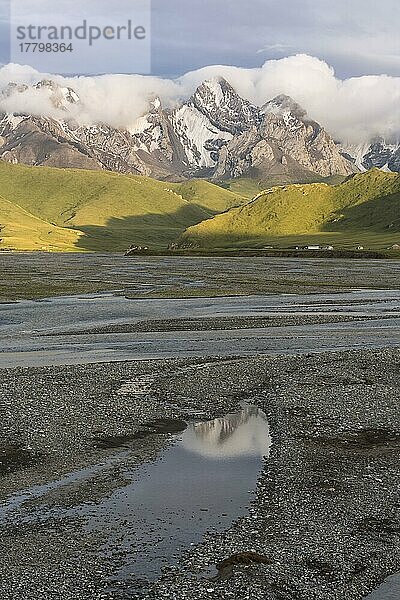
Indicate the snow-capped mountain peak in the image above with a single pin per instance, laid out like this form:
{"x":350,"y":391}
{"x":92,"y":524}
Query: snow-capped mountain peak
{"x":61,"y":97}
{"x":283,"y":105}
{"x":222,"y":105}
{"x":376,"y":153}
{"x":212,"y":92}
{"x":215,"y":134}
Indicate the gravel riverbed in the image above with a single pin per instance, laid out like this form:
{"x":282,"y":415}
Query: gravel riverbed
{"x":325,"y":519}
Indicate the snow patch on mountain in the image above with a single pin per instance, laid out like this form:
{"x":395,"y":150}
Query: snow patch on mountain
{"x":142,"y":124}
{"x":200,"y":138}
{"x":378,"y":153}
{"x":216,"y":133}
{"x":355,"y":152}
{"x":12,"y":120}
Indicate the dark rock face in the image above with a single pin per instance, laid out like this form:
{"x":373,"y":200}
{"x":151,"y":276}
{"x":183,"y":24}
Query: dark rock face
{"x":394,"y":162}
{"x":378,"y":156}
{"x":216,"y":133}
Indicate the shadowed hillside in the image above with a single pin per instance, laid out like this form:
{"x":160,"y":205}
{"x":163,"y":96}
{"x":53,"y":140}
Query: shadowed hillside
{"x":100,"y":210}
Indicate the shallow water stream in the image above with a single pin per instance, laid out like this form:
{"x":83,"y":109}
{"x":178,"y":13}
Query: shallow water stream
{"x":388,"y":590}
{"x":25,"y":327}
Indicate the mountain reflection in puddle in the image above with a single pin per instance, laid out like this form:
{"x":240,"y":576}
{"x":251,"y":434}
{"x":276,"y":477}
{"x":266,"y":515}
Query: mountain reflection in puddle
{"x":202,"y":483}
{"x":241,"y":434}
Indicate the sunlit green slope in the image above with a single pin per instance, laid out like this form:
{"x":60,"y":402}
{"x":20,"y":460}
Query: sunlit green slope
{"x":20,"y":230}
{"x":365,"y":209}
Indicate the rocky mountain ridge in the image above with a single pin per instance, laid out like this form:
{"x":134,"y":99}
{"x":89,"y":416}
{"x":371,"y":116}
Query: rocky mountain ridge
{"x":215,"y":134}
{"x":378,"y":153}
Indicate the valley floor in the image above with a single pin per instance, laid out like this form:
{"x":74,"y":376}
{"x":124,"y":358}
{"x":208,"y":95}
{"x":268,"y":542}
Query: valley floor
{"x":98,"y":389}
{"x":324,"y":521}
{"x":35,"y":275}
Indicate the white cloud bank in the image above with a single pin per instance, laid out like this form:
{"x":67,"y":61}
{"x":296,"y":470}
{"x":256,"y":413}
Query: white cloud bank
{"x":352,"y":110}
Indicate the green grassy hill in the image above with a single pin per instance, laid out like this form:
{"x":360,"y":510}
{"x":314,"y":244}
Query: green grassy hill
{"x":23,"y":231}
{"x":248,"y":187}
{"x":100,"y":210}
{"x":365,"y":210}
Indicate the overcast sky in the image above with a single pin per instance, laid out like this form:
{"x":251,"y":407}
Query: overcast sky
{"x":356,"y":37}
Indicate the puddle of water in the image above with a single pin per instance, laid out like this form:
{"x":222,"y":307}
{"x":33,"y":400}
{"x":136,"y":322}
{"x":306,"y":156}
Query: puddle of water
{"x":389,"y":590}
{"x":201,"y":483}
{"x":17,"y":501}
